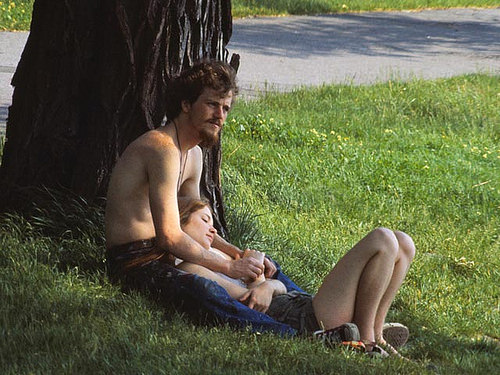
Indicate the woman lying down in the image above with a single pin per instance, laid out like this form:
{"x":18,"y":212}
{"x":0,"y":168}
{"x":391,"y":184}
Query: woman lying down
{"x":350,"y":306}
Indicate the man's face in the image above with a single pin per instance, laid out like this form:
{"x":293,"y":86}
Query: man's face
{"x":208,"y":114}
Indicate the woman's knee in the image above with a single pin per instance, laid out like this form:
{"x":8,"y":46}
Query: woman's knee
{"x":406,"y":245}
{"x":386,"y":241}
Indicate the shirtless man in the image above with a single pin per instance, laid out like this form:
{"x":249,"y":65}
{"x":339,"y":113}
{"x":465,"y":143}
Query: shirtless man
{"x":142,"y":216}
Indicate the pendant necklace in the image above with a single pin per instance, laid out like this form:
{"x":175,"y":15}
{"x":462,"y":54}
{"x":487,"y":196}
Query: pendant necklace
{"x":182,"y":166}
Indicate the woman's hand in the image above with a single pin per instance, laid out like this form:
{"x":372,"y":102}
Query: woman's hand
{"x":258,"y":298}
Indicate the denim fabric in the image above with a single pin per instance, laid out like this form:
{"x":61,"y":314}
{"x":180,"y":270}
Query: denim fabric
{"x":202,"y":299}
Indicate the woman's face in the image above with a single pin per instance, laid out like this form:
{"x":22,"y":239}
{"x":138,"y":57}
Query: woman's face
{"x":200,"y":227}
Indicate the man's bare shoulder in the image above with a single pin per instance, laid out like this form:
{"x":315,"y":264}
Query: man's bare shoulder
{"x":153,"y":143}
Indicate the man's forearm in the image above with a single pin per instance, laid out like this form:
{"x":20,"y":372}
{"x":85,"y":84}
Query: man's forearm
{"x":227,"y":248}
{"x":187,"y":249}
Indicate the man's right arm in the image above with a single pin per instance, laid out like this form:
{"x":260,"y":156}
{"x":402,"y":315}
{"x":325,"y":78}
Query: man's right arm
{"x":185,"y":248}
{"x":162,"y":168}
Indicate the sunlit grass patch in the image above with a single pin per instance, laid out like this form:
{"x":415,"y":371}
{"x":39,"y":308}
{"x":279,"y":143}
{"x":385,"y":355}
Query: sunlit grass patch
{"x":15,"y":15}
{"x":322,"y":167}
{"x":305,"y":176}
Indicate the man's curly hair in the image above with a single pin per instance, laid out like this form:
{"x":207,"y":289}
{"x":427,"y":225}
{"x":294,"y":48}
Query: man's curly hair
{"x":191,"y":82}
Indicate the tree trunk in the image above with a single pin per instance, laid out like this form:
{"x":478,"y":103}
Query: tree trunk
{"x":93,"y":77}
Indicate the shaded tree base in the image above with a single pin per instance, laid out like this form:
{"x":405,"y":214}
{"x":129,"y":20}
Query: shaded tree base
{"x":92,"y":78}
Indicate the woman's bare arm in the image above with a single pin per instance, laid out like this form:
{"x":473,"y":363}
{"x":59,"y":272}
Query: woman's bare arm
{"x":258,"y":298}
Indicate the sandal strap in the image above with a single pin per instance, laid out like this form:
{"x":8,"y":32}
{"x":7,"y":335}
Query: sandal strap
{"x":356,"y":345}
{"x":392,"y":351}
{"x":376,"y":351}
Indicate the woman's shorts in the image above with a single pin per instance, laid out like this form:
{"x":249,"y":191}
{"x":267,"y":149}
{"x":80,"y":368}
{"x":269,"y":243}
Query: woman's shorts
{"x":295,"y":309}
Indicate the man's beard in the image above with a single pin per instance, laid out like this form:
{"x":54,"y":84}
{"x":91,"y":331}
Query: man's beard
{"x":208,"y":138}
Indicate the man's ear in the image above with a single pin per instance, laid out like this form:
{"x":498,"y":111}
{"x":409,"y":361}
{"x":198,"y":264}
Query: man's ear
{"x":185,"y":106}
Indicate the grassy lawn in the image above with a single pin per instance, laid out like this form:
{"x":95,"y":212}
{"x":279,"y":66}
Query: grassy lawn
{"x":16,"y":14}
{"x":310,"y":173}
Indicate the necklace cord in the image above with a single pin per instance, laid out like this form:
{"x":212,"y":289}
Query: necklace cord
{"x":181,"y":166}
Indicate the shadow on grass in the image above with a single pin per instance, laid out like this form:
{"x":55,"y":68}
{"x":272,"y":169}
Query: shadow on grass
{"x":72,"y":227}
{"x":441,"y":353}
{"x":71,"y":230}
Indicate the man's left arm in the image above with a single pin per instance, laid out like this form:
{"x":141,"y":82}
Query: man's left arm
{"x":191,"y":188}
{"x":231,"y":250}
{"x":224,"y":246}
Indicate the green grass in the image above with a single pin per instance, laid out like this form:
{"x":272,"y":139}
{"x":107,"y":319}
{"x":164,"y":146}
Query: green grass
{"x":16,"y":14}
{"x":305,"y":175}
{"x":246,"y":8}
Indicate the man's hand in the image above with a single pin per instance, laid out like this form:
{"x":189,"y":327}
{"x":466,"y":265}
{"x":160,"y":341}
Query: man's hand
{"x":270,"y":268}
{"x":246,"y":268}
{"x":258,"y":298}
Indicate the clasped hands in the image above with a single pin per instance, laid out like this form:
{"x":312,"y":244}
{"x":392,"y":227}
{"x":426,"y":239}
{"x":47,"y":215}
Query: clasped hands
{"x":250,"y":265}
{"x":260,"y":292}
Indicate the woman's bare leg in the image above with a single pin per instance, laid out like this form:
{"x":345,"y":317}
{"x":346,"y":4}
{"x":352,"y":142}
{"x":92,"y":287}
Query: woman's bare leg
{"x":405,"y":256}
{"x":352,"y":291}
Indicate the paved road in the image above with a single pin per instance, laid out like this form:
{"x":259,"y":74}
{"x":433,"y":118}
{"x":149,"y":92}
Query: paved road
{"x":11,"y":47}
{"x":362,"y":48}
{"x":366,"y":47}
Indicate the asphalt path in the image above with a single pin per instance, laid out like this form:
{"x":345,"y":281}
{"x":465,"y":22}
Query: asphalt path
{"x":365,"y":48}
{"x":356,"y":48}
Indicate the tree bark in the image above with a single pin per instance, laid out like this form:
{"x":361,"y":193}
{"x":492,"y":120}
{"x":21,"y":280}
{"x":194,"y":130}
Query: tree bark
{"x":93,"y":77}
